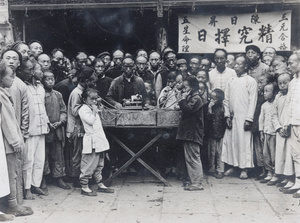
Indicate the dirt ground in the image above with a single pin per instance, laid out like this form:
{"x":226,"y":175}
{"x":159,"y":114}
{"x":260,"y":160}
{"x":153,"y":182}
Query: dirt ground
{"x":139,"y":199}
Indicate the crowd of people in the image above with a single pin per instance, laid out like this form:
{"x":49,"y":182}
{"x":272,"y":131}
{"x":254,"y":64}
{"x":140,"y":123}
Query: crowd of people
{"x":242,"y":111}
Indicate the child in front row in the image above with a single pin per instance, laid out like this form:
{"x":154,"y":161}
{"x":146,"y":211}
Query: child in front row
{"x":94,"y":144}
{"x":267,"y":130}
{"x":216,"y":128}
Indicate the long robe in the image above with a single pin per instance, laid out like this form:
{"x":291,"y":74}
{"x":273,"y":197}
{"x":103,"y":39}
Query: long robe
{"x":4,"y":181}
{"x":283,"y":157}
{"x":240,"y":101}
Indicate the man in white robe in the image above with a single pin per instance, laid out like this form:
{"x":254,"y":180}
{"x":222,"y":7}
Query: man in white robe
{"x":240,"y":101}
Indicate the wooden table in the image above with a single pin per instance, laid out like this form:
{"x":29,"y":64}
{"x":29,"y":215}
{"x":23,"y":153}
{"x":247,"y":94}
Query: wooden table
{"x":159,"y":119}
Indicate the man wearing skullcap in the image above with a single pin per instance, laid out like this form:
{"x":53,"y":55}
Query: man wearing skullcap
{"x":255,"y":67}
{"x":182,"y":68}
{"x":106,"y":58}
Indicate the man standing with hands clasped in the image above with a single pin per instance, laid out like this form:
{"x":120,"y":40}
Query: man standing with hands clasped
{"x":240,"y":101}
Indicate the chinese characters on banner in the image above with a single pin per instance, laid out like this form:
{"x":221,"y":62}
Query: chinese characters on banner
{"x":205,"y":33}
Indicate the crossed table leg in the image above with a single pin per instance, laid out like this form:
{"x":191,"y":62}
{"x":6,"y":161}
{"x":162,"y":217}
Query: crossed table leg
{"x":135,"y":156}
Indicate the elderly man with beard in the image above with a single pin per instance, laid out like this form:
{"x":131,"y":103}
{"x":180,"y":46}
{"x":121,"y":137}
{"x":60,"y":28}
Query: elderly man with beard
{"x":116,"y":70}
{"x":255,"y":67}
{"x":269,"y":51}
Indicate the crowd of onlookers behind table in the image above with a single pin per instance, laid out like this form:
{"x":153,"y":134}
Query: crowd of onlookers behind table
{"x":242,"y":111}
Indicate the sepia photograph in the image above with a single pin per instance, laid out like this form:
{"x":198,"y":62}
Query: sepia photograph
{"x":150,"y":111}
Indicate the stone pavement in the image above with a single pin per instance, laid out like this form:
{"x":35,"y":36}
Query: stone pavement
{"x":143,"y":199}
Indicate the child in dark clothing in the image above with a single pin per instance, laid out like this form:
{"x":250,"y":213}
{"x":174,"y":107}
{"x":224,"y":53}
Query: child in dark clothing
{"x":216,"y":128}
{"x":57,"y":114}
{"x":258,"y":146}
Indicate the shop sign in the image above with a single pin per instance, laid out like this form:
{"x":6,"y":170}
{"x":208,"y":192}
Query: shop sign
{"x":233,"y":32}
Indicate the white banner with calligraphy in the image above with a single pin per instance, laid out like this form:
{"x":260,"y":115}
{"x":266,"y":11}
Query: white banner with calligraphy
{"x":233,"y":32}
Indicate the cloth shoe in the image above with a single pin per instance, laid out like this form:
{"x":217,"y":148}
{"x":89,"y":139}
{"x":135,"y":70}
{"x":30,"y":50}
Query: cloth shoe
{"x":260,"y":177}
{"x":39,"y":191}
{"x":6,"y":217}
{"x":282,"y":183}
{"x":291,"y":190}
{"x":103,"y":189}
{"x":243,"y":175}
{"x":219,"y":175}
{"x":194,"y":187}
{"x":296,"y":194}
{"x":19,"y":210}
{"x":61,"y":184}
{"x":271,"y":182}
{"x":229,"y":172}
{"x":90,"y":194}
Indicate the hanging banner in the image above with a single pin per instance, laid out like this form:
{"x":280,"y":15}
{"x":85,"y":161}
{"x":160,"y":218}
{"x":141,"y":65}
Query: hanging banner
{"x":233,"y":32}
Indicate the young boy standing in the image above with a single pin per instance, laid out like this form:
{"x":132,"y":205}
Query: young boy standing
{"x":267,"y":130}
{"x":57,"y":113}
{"x":216,"y":129}
{"x":283,"y":158}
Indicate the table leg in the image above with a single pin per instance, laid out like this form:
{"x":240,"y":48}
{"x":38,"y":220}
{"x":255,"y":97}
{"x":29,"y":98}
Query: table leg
{"x":135,"y":156}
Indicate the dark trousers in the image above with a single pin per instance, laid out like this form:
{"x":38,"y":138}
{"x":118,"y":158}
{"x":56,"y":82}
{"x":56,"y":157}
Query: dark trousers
{"x":12,"y":167}
{"x":193,"y":162}
{"x":54,"y":159}
{"x":76,"y":150}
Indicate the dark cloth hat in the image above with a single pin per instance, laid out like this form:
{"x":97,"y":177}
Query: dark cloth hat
{"x":103,"y":54}
{"x":181,"y":61}
{"x":86,"y":73}
{"x":166,"y":51}
{"x":253,"y":47}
